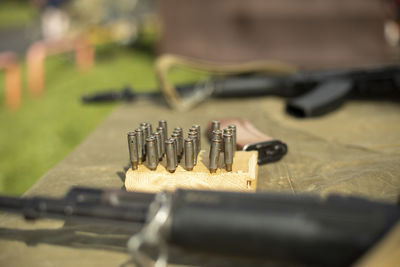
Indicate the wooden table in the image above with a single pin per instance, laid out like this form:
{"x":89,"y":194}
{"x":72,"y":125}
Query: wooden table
{"x":354,"y":150}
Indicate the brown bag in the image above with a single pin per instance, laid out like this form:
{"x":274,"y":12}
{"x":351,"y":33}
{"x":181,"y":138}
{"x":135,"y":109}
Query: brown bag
{"x":310,"y":34}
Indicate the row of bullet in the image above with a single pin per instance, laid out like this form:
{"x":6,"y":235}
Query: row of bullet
{"x":151,"y":147}
{"x":222,"y":141}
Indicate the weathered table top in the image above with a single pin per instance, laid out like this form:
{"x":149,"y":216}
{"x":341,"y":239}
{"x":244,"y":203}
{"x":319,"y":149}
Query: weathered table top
{"x":354,"y":150}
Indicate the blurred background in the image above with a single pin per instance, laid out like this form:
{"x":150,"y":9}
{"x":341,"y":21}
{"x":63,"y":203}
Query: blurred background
{"x":54,"y":52}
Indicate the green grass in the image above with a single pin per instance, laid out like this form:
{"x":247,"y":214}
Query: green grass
{"x":45,"y":129}
{"x":15,"y":13}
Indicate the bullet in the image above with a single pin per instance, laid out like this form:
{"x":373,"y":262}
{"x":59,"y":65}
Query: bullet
{"x":189,"y":154}
{"x":163,"y":138}
{"x":178,"y":145}
{"x":194,"y":130}
{"x":140,"y":145}
{"x":170,"y":154}
{"x":180,"y":140}
{"x":152,"y":157}
{"x":217,"y":134}
{"x":146,"y":131}
{"x":146,"y":134}
{"x":234,"y":134}
{"x":133,"y":151}
{"x":176,"y":150}
{"x":228,"y":131}
{"x":193,"y":136}
{"x":147,"y":125}
{"x":150,"y":127}
{"x":163,"y":123}
{"x":215,"y":125}
{"x":157,"y":135}
{"x":215,"y":149}
{"x":178,"y":129}
{"x":198,"y":129}
{"x":228,"y":151}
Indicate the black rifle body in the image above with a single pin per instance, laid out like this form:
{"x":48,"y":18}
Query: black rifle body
{"x":318,"y":92}
{"x":304,"y":229}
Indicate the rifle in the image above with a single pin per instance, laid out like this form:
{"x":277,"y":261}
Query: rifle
{"x":317,"y":92}
{"x":304,"y":229}
{"x":310,"y":94}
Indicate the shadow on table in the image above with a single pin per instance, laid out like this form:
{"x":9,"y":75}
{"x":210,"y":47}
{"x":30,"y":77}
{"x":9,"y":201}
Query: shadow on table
{"x":121,"y":175}
{"x":77,"y":236}
{"x":108,"y":238}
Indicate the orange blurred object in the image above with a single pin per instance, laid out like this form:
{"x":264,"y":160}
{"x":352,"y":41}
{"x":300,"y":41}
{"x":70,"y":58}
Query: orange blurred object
{"x":9,"y":63}
{"x":37,"y":53}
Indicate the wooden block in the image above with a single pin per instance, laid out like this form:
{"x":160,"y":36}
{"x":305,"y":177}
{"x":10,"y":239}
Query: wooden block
{"x":242,"y":178}
{"x":9,"y":63}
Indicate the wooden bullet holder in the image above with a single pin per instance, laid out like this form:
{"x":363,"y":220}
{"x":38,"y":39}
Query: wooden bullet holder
{"x":242,"y":178}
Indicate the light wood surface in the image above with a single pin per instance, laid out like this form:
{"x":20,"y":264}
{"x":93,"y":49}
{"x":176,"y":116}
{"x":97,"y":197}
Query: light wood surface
{"x":322,"y":158}
{"x":386,"y":253}
{"x":242,"y":178}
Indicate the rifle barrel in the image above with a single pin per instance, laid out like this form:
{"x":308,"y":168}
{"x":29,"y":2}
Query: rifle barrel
{"x":81,"y":207}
